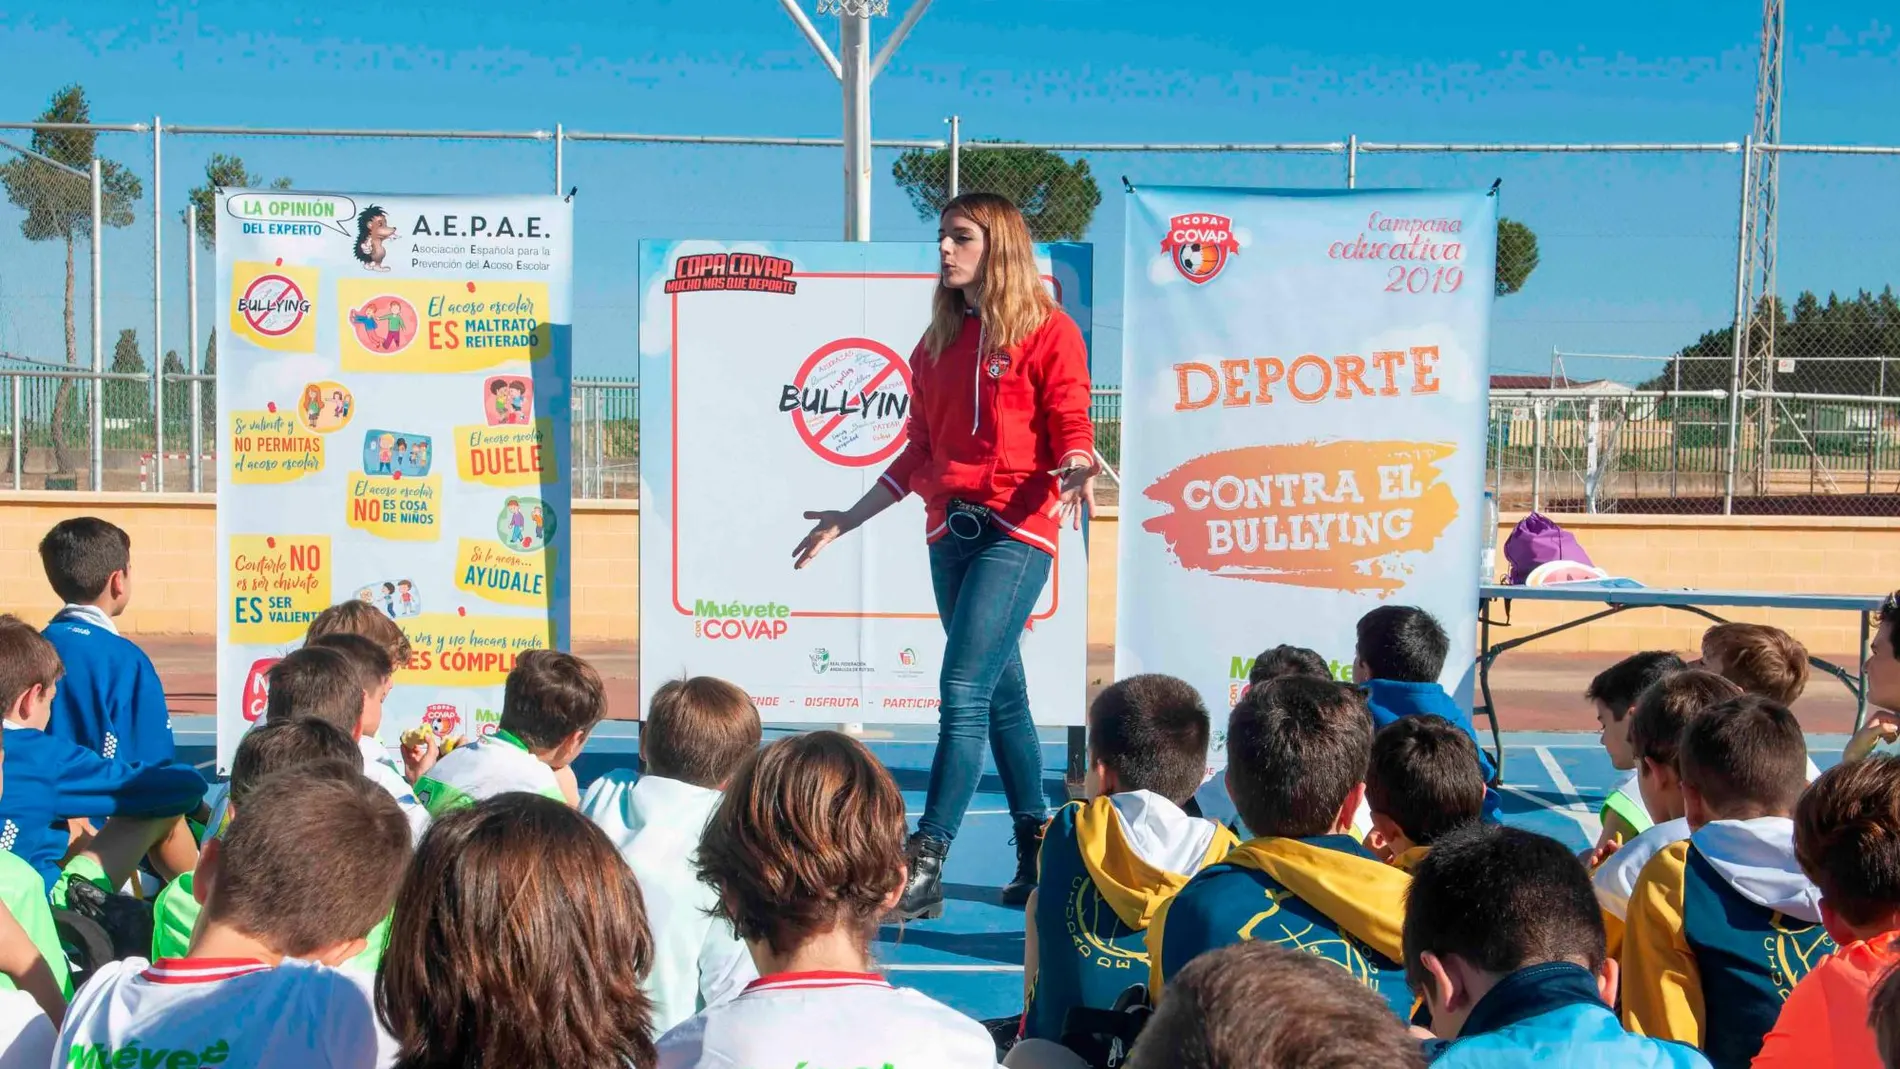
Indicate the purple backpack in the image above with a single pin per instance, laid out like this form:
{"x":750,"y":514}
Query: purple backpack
{"x":1535,"y":541}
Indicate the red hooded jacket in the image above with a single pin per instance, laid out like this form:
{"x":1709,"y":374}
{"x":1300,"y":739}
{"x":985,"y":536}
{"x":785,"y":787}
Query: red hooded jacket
{"x":988,"y":430}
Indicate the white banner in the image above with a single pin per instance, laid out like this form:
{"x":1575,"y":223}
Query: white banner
{"x":733,"y":339}
{"x":392,"y":427}
{"x":1305,"y":378}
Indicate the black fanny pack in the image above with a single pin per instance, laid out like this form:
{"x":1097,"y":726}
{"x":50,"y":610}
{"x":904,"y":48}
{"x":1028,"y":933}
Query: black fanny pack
{"x":966,"y":521}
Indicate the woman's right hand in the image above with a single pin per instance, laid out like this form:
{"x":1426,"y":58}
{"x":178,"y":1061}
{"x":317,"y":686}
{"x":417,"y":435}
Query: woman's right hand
{"x":829,"y":525}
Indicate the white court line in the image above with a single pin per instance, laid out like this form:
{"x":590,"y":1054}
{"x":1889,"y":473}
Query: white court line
{"x":888,"y":967}
{"x":1574,"y":806}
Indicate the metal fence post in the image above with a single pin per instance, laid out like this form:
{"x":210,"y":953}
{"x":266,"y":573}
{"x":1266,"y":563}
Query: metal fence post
{"x":158,"y":304}
{"x":1740,"y":330}
{"x":192,"y":463}
{"x":956,"y":155}
{"x":1352,"y":161}
{"x":19,"y":430}
{"x":1537,"y":455}
{"x":560,"y":168}
{"x":97,"y":468}
{"x":600,"y":440}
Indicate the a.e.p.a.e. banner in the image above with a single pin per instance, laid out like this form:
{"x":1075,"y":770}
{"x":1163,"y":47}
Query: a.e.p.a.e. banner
{"x":1304,"y":423}
{"x":392,"y":429}
{"x":774,"y":380}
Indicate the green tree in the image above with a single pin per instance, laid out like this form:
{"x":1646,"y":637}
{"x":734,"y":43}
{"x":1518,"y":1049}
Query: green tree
{"x":177,"y":401}
{"x":1517,"y":255}
{"x":58,"y":207}
{"x":1855,"y":333}
{"x":125,"y":399}
{"x":223,"y":172}
{"x":1058,"y":197}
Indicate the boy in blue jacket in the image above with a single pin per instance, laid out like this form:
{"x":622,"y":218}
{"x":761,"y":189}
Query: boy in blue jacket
{"x":111,"y":701}
{"x":1504,"y":943}
{"x":1399,"y":654}
{"x":48,"y":780}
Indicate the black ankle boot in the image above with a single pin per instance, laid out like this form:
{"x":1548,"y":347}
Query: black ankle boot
{"x":1028,"y":840}
{"x":923,"y":891}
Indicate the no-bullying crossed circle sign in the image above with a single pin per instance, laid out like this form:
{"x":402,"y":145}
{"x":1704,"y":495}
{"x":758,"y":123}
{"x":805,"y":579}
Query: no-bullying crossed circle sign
{"x":852,"y":400}
{"x":273,"y":305}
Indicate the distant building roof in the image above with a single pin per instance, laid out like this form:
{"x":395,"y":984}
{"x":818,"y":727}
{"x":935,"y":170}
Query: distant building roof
{"x":1530,"y":382}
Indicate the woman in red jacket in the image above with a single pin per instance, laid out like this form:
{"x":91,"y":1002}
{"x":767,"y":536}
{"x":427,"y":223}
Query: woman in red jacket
{"x":1001,"y":449}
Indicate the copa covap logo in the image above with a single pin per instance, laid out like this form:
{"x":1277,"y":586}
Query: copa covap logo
{"x":1200,"y":244}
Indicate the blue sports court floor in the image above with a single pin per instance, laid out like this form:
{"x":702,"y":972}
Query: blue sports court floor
{"x":972,"y":957}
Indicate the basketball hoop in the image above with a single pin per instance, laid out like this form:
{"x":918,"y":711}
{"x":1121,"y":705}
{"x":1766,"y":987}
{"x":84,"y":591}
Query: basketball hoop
{"x":854,"y":8}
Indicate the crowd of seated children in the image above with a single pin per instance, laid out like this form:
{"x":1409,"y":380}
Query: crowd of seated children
{"x":1504,"y":944}
{"x":1655,"y":727}
{"x":1847,"y":838}
{"x":550,"y":703}
{"x":695,"y":733}
{"x":519,"y":940}
{"x":1722,"y":925}
{"x":1297,"y":750}
{"x":1422,"y":783}
{"x":806,"y":852}
{"x":309,"y":863}
{"x":1109,"y":862}
{"x":111,"y":701}
{"x":1612,"y":694}
{"x":273,"y":746}
{"x":1258,"y":1005}
{"x":1399,"y":654}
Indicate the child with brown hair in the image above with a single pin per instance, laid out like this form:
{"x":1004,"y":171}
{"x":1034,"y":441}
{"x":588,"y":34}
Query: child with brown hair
{"x":551,"y":702}
{"x":520,"y":940}
{"x":1421,"y":783}
{"x":806,"y":852}
{"x":1757,"y":658}
{"x":695,"y":733}
{"x":308,"y":865}
{"x":374,"y":665}
{"x":1847,"y":837}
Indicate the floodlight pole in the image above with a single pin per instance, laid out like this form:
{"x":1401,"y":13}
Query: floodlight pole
{"x":855,"y":68}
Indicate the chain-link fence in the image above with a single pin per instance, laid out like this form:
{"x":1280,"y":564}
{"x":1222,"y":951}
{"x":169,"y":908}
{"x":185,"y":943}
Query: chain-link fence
{"x":1608,"y":251}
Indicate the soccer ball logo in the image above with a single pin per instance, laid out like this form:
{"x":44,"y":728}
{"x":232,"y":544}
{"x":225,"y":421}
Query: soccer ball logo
{"x":1201,"y":245}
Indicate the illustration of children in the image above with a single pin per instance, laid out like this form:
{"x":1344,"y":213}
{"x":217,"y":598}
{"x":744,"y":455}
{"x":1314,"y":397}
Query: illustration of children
{"x":539,"y":539}
{"x":366,"y":596}
{"x":419,"y":456}
{"x":402,"y":453}
{"x":384,"y":446}
{"x":393,"y":318}
{"x":365,"y":317}
{"x":498,"y":396}
{"x":372,"y":229}
{"x":517,"y":397}
{"x":515,"y":522}
{"x":312,"y":405}
{"x":389,"y":599}
{"x":406,"y":597}
{"x":339,"y":405}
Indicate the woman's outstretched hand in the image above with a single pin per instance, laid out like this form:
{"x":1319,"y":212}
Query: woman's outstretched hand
{"x":1078,"y":487}
{"x":825,"y":531}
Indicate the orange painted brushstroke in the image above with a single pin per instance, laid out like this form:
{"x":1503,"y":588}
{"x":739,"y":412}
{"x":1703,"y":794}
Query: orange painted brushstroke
{"x":1310,"y":551}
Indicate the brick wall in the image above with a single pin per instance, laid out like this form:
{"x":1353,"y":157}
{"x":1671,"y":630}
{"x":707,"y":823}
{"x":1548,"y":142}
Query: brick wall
{"x":174,"y":582}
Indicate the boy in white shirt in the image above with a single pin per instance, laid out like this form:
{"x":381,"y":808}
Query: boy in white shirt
{"x":307,"y":866}
{"x":550,"y":704}
{"x":375,"y":663}
{"x":807,"y":852}
{"x":695,"y":733}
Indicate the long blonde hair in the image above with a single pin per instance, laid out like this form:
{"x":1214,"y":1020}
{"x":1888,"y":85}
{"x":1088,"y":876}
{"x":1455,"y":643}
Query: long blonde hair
{"x":1014,"y":300}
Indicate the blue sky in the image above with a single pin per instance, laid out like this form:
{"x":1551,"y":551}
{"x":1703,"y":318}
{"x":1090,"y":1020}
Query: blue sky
{"x":1637,"y":252}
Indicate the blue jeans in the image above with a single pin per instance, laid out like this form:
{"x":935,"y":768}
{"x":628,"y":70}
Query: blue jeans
{"x":986,"y":588}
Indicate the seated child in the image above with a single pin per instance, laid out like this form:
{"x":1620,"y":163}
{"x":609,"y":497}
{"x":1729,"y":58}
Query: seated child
{"x":48,"y":780}
{"x":1655,"y":727}
{"x":1847,"y":837}
{"x":551,"y":702}
{"x":1613,"y":693}
{"x":1286,"y":660}
{"x":1757,"y":658}
{"x":354,"y":617}
{"x":695,"y":733}
{"x":1297,"y":751}
{"x":1721,"y":927}
{"x":1504,"y":942}
{"x":267,"y":748}
{"x":1400,"y":653}
{"x":373,"y":663}
{"x":520,"y":941}
{"x":1108,"y":863}
{"x":308,"y":865}
{"x":1255,"y":1005}
{"x":1421,"y":784}
{"x":111,"y":700}
{"x":806,"y":851}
